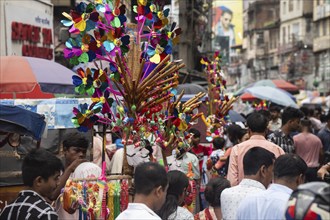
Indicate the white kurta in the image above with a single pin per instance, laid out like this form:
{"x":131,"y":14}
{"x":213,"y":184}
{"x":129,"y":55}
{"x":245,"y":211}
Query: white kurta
{"x":138,"y":211}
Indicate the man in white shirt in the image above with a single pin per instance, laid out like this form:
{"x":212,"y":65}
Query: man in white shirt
{"x":150,"y":181}
{"x":182,"y":160}
{"x":258,"y":170}
{"x":289,"y":172}
{"x":275,"y":122}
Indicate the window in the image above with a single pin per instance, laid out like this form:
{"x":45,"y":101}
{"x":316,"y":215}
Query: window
{"x":273,"y":36}
{"x":284,"y":8}
{"x":324,"y":27}
{"x":251,"y":42}
{"x":308,"y":25}
{"x":295,"y":31}
{"x":290,"y":5}
{"x":289,"y":34}
{"x":298,"y":4}
{"x":283,"y":35}
{"x":260,"y":38}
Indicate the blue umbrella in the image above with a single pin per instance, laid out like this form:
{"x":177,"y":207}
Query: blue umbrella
{"x":235,"y":116}
{"x":271,"y":94}
{"x":14,"y":119}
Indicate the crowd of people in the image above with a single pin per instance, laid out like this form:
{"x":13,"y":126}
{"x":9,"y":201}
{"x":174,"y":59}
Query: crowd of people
{"x":255,"y":170}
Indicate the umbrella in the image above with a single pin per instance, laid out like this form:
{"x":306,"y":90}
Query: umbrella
{"x":189,"y":96}
{"x":235,"y":116}
{"x":190,"y":88}
{"x":271,"y":94}
{"x":247,"y":97}
{"x":26,"y":74}
{"x":275,"y":83}
{"x":14,"y":119}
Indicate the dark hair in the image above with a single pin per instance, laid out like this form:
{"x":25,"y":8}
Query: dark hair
{"x":39,"y":162}
{"x":214,"y":189}
{"x":75,"y":139}
{"x":257,"y":122}
{"x":226,"y":10}
{"x":304,"y":110}
{"x":289,"y":166}
{"x":195,"y":132}
{"x":148,"y":146}
{"x":235,"y":133}
{"x":266,"y":113}
{"x":149,"y":176}
{"x":254,"y":158}
{"x":305,"y":122}
{"x":218,"y":142}
{"x":274,"y":108}
{"x":177,"y":183}
{"x":290,"y":113}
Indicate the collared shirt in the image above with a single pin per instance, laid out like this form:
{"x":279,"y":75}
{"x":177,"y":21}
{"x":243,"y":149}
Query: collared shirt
{"x":181,"y":213}
{"x":275,"y":125}
{"x":308,"y":147}
{"x":182,"y":164}
{"x":282,"y":140}
{"x":235,"y":168}
{"x":29,"y":205}
{"x":268,"y":204}
{"x":138,"y":211}
{"x":324,"y":135}
{"x":231,"y":197}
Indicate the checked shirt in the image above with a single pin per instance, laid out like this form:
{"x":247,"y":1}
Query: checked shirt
{"x":29,"y":205}
{"x":284,"y":141}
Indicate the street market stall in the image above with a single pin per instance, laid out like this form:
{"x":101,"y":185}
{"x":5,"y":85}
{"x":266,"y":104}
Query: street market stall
{"x":134,"y":94}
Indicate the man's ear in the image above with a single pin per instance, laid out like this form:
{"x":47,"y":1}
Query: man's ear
{"x":263,"y":170}
{"x":38,"y":181}
{"x":300,"y":179}
{"x":158,"y":191}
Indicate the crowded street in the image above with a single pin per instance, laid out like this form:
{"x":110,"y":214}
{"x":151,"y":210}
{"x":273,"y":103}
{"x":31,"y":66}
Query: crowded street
{"x":172,"y":110}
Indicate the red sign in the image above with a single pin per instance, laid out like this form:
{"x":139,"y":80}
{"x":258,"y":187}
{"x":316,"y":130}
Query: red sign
{"x":30,"y":36}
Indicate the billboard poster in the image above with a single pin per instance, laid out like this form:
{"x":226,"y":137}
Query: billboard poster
{"x":227,"y":26}
{"x":28,"y":29}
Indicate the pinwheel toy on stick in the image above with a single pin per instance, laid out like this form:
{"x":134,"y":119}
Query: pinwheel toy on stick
{"x":179,"y":119}
{"x":139,"y":66}
{"x":219,"y":103}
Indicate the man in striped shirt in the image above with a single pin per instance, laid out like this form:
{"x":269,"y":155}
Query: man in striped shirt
{"x":40,"y":171}
{"x":290,"y":124}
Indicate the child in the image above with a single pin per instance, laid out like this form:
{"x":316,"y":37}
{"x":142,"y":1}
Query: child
{"x":218,"y":144}
{"x":41,"y":173}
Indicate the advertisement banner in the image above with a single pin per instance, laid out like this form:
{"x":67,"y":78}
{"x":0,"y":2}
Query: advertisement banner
{"x":28,"y":28}
{"x":227,"y":26}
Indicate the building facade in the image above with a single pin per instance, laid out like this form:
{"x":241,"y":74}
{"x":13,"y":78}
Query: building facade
{"x":260,"y":42}
{"x":27,"y":28}
{"x":295,"y":49}
{"x":287,"y":39}
{"x":321,"y":44}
